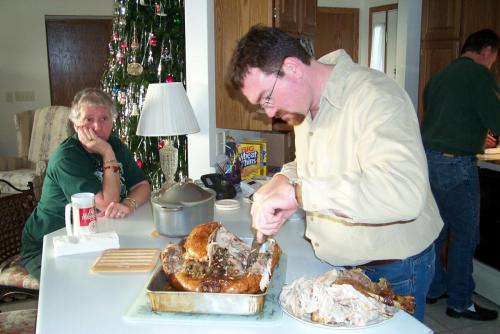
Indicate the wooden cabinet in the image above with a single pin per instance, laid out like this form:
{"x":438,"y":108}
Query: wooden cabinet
{"x":233,"y":18}
{"x":445,"y":26}
{"x":441,"y":19}
{"x":296,"y":16}
{"x":337,"y":28}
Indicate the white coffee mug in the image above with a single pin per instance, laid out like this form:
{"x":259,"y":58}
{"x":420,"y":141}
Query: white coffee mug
{"x":84,"y":216}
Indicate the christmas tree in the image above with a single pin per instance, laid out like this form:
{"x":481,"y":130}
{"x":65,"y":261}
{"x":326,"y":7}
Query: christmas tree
{"x":147,"y":46}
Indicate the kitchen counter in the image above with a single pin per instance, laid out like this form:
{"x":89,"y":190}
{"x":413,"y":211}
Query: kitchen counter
{"x":489,"y":164}
{"x":73,"y":299}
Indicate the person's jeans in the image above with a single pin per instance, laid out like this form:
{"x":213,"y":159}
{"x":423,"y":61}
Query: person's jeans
{"x":411,"y":276}
{"x":455,"y":185}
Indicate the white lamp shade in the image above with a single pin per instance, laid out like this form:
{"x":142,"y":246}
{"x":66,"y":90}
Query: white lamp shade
{"x":166,"y":112}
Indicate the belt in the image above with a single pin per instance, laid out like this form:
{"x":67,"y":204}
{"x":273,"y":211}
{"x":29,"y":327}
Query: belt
{"x":372,"y":263}
{"x":378,"y":262}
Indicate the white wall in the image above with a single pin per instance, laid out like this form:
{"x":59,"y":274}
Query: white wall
{"x":408,"y":57}
{"x":200,"y":82}
{"x":23,"y":55}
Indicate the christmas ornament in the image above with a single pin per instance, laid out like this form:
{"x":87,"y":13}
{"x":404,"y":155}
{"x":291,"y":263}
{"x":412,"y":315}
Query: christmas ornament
{"x":116,"y":37}
{"x":124,"y":46}
{"x":135,"y":110}
{"x":165,"y":54}
{"x":152,"y":39}
{"x":159,"y":9}
{"x":122,"y":98}
{"x":134,"y":69}
{"x":120,"y":57}
{"x":111,"y":49}
{"x":139,"y":163}
{"x":116,"y":89}
{"x":150,"y":59}
{"x":170,"y":78}
{"x":177,"y":19}
{"x":134,"y":45}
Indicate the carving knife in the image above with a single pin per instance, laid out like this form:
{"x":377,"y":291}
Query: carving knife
{"x":254,"y":250}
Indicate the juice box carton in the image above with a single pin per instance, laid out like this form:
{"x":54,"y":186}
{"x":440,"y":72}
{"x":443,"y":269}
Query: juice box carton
{"x":263,"y":155}
{"x":250,"y":157}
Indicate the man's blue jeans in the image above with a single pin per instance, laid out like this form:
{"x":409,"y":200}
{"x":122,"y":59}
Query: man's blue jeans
{"x":411,"y":276}
{"x":455,"y":185}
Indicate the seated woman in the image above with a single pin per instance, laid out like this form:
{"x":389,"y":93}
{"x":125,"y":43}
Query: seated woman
{"x":88,"y":161}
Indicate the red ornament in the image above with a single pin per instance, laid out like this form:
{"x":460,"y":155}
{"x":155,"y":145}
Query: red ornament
{"x":116,"y":37}
{"x":161,"y":144}
{"x":152,"y":39}
{"x":139,"y":163}
{"x":124,"y":46}
{"x":170,"y":78}
{"x":120,"y":57}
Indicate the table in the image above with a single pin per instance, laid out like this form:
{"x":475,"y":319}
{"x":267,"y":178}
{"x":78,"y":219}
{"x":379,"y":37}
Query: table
{"x":74,"y":300}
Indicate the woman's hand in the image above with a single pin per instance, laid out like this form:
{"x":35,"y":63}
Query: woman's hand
{"x":117,"y":210}
{"x":91,"y":141}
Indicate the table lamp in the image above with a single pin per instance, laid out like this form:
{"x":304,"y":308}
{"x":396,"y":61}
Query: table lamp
{"x":167,"y":112}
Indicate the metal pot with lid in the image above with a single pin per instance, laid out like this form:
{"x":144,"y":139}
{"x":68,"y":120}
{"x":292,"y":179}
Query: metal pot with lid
{"x":181,"y":207}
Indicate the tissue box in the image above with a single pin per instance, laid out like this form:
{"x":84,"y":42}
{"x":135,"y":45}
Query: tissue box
{"x":65,"y":245}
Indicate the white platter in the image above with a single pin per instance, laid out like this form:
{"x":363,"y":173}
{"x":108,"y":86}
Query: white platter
{"x":307,"y":320}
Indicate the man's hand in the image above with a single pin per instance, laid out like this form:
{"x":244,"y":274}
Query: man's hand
{"x":491,"y":140}
{"x":272,"y":205}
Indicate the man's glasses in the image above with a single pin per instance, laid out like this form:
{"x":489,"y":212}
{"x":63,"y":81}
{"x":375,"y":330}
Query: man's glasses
{"x":267,"y":99}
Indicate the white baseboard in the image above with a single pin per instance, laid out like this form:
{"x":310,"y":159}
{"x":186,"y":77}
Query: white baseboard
{"x":487,"y":281}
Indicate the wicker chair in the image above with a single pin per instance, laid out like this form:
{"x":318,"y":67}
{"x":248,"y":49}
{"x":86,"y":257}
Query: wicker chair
{"x":15,"y":282}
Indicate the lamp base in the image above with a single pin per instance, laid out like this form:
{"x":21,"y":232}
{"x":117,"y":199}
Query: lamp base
{"x":168,"y":161}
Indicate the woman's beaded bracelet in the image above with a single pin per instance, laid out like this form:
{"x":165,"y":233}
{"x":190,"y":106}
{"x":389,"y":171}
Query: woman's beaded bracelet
{"x":131,"y":200}
{"x":113,"y":168}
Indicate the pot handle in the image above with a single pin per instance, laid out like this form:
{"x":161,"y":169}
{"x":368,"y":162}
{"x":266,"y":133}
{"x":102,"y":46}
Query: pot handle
{"x":171,"y":208}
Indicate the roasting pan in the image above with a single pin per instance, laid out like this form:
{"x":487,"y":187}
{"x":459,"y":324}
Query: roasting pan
{"x":164,"y":299}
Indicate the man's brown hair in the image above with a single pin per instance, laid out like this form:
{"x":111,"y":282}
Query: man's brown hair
{"x":264,"y":48}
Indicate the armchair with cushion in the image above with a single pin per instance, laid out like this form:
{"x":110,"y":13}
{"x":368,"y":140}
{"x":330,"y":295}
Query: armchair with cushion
{"x":38,"y":134}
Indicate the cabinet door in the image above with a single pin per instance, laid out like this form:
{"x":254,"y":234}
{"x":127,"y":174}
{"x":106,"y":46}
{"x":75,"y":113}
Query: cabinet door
{"x":434,"y":56}
{"x":307,"y":17}
{"x":288,"y":16}
{"x":233,"y":18}
{"x":441,"y":19}
{"x":337,"y":28}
